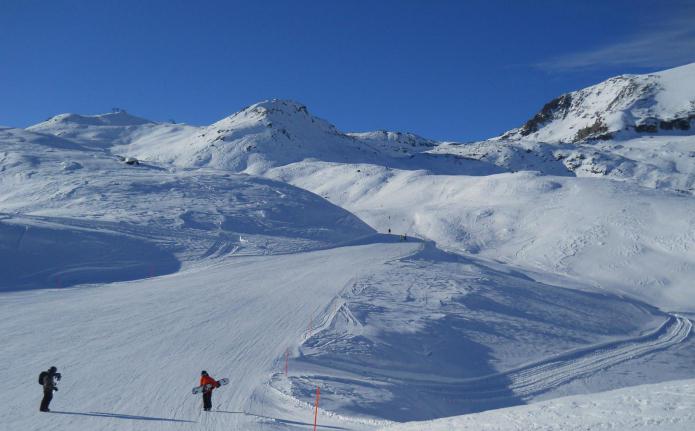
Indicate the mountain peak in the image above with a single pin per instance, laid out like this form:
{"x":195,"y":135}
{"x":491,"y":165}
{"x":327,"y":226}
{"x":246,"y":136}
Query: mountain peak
{"x":118,"y":118}
{"x":276,"y":114}
{"x":283,"y":106}
{"x":273,"y":109}
{"x":625,"y":104}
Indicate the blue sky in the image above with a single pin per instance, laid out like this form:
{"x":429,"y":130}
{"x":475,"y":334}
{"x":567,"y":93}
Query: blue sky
{"x":458,"y":70}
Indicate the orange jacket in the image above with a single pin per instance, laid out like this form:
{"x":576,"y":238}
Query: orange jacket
{"x":207,"y":380}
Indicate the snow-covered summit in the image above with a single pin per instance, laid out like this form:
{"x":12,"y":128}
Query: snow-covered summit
{"x":266,"y":134}
{"x":102,"y":130}
{"x":278,"y":132}
{"x":251,"y":140}
{"x":277,"y":114}
{"x":662,"y":102}
{"x":118,"y":118}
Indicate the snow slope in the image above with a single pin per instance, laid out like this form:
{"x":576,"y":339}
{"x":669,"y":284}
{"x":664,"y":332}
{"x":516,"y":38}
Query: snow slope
{"x":434,"y":335}
{"x":657,"y":162}
{"x":663,"y":407}
{"x":263,"y":135}
{"x":634,"y":128}
{"x":227,"y":246}
{"x":661,"y":102}
{"x":103,"y":130}
{"x":69,"y":215}
{"x":616,"y":236}
{"x":131,"y":352}
{"x":601,"y":235}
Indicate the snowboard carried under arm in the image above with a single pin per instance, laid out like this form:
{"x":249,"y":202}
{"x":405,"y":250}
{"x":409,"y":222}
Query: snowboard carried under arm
{"x":199,"y":389}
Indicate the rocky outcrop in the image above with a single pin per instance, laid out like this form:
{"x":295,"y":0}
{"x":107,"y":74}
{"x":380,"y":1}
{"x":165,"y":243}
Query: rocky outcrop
{"x":556,"y":108}
{"x":598,"y":130}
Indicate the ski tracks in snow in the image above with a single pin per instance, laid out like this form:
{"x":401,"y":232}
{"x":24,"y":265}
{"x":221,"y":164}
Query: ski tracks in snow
{"x":535,"y":378}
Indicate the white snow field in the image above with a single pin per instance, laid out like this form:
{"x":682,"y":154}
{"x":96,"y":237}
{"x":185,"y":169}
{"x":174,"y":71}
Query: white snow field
{"x":556,"y":260}
{"x":131,"y":352}
{"x":663,"y":407}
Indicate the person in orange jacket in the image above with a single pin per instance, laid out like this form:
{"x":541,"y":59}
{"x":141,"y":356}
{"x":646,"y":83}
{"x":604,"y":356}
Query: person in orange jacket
{"x":210,"y":383}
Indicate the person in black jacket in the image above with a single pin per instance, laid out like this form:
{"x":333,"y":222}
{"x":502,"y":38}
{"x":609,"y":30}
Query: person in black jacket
{"x":47,"y":379}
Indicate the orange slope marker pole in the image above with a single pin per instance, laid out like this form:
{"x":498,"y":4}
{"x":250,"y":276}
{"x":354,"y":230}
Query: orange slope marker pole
{"x":316,"y":407}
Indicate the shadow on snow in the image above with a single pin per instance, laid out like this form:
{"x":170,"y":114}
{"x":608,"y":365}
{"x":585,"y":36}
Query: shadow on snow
{"x":284,"y":421}
{"x":40,"y":253}
{"x":122,"y":416}
{"x":433,"y":334}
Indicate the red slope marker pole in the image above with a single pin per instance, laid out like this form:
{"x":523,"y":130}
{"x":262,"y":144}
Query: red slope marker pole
{"x":316,"y":408}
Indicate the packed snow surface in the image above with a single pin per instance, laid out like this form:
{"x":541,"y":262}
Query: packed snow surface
{"x":662,"y":407}
{"x":130,"y":353}
{"x":406,"y":278}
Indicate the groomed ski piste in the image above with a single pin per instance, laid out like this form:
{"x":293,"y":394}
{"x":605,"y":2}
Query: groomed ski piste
{"x":129,"y":351}
{"x":409,"y":280}
{"x":647,"y":407}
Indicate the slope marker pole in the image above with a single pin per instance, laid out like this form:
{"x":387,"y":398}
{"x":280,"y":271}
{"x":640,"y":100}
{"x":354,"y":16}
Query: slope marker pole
{"x":316,"y":406}
{"x":287,"y":357}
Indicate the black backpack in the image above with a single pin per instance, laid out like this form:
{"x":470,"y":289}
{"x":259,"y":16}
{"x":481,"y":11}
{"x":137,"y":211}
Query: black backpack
{"x":42,"y":377}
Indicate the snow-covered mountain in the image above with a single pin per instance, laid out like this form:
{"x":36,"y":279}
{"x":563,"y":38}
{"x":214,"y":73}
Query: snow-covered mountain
{"x":633,"y":128}
{"x":535,"y":265}
{"x":657,"y":103}
{"x":480,"y":198}
{"x":264,"y":135}
{"x":102,"y":130}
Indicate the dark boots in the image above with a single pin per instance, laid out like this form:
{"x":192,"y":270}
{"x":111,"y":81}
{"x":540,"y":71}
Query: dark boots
{"x":47,"y":397}
{"x":207,"y":401}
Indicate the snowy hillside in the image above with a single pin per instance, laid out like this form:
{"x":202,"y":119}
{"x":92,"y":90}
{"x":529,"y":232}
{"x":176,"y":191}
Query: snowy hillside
{"x":105,"y":129}
{"x":576,"y":231}
{"x":449,"y":193}
{"x":634,"y":128}
{"x":434,"y":335}
{"x":261,"y":136}
{"x":406,"y":278}
{"x":626,"y":105}
{"x":69,"y":215}
{"x":659,"y":162}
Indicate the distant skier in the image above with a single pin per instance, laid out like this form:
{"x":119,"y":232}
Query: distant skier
{"x":209,"y":384}
{"x":48,"y":380}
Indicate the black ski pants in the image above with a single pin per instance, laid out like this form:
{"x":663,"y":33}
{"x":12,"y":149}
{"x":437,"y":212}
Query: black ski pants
{"x":207,"y":400}
{"x":47,"y":397}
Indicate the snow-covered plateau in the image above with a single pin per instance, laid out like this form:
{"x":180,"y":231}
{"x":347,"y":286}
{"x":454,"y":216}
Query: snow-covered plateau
{"x":541,"y":279}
